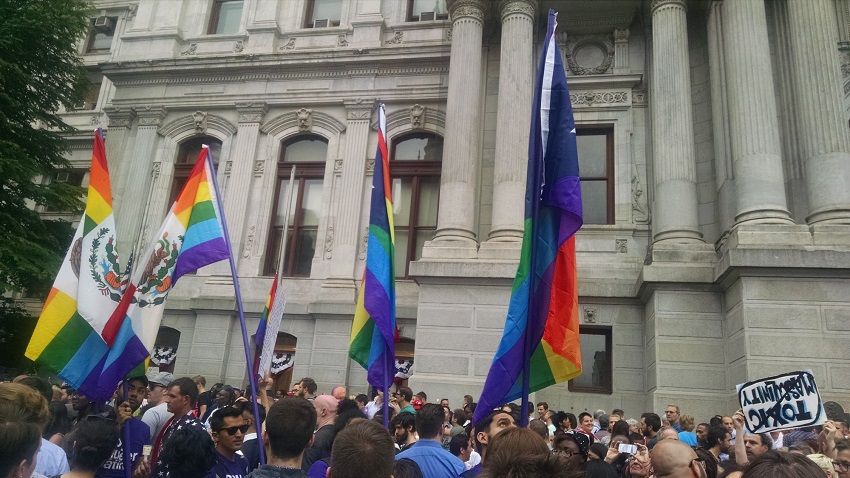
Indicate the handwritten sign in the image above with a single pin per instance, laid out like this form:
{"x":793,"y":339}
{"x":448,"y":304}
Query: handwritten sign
{"x":785,"y":401}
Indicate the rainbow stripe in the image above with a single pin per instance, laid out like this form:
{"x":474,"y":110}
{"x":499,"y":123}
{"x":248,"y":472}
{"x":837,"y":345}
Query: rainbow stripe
{"x":67,"y":338}
{"x":262,"y":327}
{"x":372,"y":342}
{"x":542,"y":326}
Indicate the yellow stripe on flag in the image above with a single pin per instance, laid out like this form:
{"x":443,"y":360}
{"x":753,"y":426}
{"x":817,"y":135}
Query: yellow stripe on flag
{"x":562,"y":369}
{"x":58,"y":310}
{"x":97,"y":208}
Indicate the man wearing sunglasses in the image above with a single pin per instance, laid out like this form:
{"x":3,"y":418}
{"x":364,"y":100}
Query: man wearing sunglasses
{"x":228,"y":430}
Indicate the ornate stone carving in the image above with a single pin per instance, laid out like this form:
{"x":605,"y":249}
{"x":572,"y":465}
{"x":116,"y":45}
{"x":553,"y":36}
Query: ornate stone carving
{"x":662,"y":3}
{"x":591,"y":98}
{"x":259,"y":167}
{"x":151,"y":116}
{"x":157,"y":167}
{"x":600,"y":44}
{"x":370,"y":165}
{"x":449,"y":34}
{"x":95,"y":120}
{"x":342,"y":40}
{"x":417,"y":116}
{"x":251,"y":111}
{"x":228,"y":167}
{"x":193,"y":47}
{"x":200,"y":120}
{"x":238,"y":46}
{"x":337,"y":165}
{"x":396,"y":39}
{"x":467,"y":8}
{"x":640,"y":209}
{"x":305,"y":119}
{"x":590,"y":315}
{"x":131,"y":11}
{"x":249,"y":242}
{"x":521,"y":7}
{"x":359,"y":109}
{"x":639,"y":98}
{"x":329,"y":242}
{"x":289,"y":45}
{"x":621,"y":246}
{"x":621,"y":34}
{"x":364,"y":243}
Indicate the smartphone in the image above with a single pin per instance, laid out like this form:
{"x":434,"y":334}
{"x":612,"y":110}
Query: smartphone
{"x":627,"y":448}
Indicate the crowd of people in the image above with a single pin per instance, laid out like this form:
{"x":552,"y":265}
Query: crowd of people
{"x":177,"y":429}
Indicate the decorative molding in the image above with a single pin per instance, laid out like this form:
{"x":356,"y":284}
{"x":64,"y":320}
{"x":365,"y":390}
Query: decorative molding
{"x":259,"y":167}
{"x":252,"y":111}
{"x":602,"y":42}
{"x":402,"y":117}
{"x":337,"y":165}
{"x":151,"y":115}
{"x":342,"y":40}
{"x":119,"y":117}
{"x":621,"y":246}
{"x":131,"y":11}
{"x":396,"y":39}
{"x":656,"y":4}
{"x":517,"y":7}
{"x":639,"y":98}
{"x":449,"y":34}
{"x":238,"y":46}
{"x":249,"y":242}
{"x":370,"y":165}
{"x":305,"y":119}
{"x":417,"y":113}
{"x":289,"y":45}
{"x":95,"y":120}
{"x":291,"y":120}
{"x":329,"y":242}
{"x":622,"y":35}
{"x":200,"y":120}
{"x":156,"y":169}
{"x":364,"y":243}
{"x":228,"y":167}
{"x":590,"y":315}
{"x":359,"y":109}
{"x":640,"y":209}
{"x":188,"y":123}
{"x":599,"y":98}
{"x":474,"y":9}
{"x":193,"y":48}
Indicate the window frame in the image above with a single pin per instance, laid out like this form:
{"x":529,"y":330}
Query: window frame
{"x":607,"y":387}
{"x":183,"y":164}
{"x":608,"y":131}
{"x":89,"y":49}
{"x":412,"y":18}
{"x":308,"y":15}
{"x":215,"y":16}
{"x":414,"y":169}
{"x":304,"y":171}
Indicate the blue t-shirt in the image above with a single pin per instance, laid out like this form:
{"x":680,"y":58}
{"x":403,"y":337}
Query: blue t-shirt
{"x":433,"y":460}
{"x":140,"y":436}
{"x":225,"y":468}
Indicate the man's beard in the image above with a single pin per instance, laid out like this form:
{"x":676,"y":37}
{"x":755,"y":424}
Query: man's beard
{"x":402,"y":439}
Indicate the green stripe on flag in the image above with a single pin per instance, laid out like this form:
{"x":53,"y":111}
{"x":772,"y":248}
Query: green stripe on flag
{"x":67,"y":342}
{"x":361,"y":346}
{"x":541,"y":372}
{"x":201,"y":212}
{"x":383,"y":238}
{"x":89,"y":226}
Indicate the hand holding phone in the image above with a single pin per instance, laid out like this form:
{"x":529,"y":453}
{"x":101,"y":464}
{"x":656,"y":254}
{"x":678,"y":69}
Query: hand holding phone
{"x":627,"y":448}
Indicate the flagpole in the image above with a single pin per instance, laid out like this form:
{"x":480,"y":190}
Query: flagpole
{"x":285,"y":234}
{"x":128,"y":472}
{"x":248,"y":362}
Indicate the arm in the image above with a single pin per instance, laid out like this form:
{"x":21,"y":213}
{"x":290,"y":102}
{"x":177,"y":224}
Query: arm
{"x":827,"y":439}
{"x":740,"y":448}
{"x":266,"y":382}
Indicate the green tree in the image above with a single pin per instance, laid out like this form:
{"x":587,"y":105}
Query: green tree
{"x":39,"y":72}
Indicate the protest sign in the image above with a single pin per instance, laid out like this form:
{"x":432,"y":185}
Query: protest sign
{"x":785,"y":401}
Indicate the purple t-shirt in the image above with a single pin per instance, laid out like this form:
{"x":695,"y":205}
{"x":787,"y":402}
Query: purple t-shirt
{"x":140,"y":436}
{"x":225,"y":468}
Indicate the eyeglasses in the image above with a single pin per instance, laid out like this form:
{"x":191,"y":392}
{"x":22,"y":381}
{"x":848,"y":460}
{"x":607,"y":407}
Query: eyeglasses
{"x":561,"y":451}
{"x":841,"y":465}
{"x":232,"y":430}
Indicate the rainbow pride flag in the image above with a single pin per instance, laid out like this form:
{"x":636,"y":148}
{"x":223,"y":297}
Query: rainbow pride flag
{"x":190,"y":237}
{"x":542,"y":326}
{"x":373,"y":331}
{"x":266,"y":336}
{"x":68,"y":336}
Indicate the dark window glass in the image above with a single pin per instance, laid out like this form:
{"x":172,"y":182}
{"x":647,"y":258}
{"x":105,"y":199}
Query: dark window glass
{"x":323,"y":13}
{"x":596,"y":374}
{"x":186,"y":158}
{"x":225,"y":17}
{"x":596,"y":166}
{"x":426,"y":10}
{"x":102,"y":31}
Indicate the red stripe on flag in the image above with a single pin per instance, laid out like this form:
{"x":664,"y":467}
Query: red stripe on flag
{"x":562,"y":324}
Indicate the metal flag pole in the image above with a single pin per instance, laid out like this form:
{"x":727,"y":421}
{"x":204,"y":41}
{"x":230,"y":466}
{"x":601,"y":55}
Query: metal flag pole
{"x":248,"y":362}
{"x":285,"y":235}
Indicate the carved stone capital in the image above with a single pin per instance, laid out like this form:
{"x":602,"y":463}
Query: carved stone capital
{"x":359,"y":108}
{"x":252,"y":111}
{"x":621,"y":35}
{"x":517,"y":7}
{"x":656,"y":4}
{"x":474,"y":9}
{"x":151,"y":115}
{"x":119,"y":117}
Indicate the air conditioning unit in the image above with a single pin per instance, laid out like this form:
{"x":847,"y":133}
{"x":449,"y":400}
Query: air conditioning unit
{"x":323,"y":23}
{"x":62,"y":177}
{"x":104,"y":24}
{"x":427,"y":16}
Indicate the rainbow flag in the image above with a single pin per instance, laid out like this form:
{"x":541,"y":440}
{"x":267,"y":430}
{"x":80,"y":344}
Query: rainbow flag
{"x":266,"y":336}
{"x":542,"y":326}
{"x":68,"y":336}
{"x":373,"y":331}
{"x":190,"y":237}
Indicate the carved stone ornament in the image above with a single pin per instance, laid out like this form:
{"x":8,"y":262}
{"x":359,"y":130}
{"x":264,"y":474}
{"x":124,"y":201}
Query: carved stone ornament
{"x":228,"y":167}
{"x":621,"y":34}
{"x":396,"y":39}
{"x":193,"y":47}
{"x":640,"y":209}
{"x":639,"y":98}
{"x":590,"y":54}
{"x":157,"y":167}
{"x":259,"y":167}
{"x":359,"y":109}
{"x":417,"y":116}
{"x":131,"y":11}
{"x":289,"y":45}
{"x":119,"y":117}
{"x":342,"y":40}
{"x":364,"y":243}
{"x":621,"y":246}
{"x":663,"y":3}
{"x":238,"y":46}
{"x":514,"y":7}
{"x":95,"y":120}
{"x":200,"y":120}
{"x":370,"y":165}
{"x":337,"y":165}
{"x":590,"y":315}
{"x":467,"y":8}
{"x":151,"y":116}
{"x":305,"y":119}
{"x":329,"y":242}
{"x":251,"y":111}
{"x":249,"y":242}
{"x":598,"y":98}
{"x":449,"y":34}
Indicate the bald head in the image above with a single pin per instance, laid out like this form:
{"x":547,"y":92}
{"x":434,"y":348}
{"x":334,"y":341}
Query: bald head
{"x":325,"y":406}
{"x":675,"y":459}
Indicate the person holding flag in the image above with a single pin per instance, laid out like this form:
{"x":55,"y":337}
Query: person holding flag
{"x":540,"y":343}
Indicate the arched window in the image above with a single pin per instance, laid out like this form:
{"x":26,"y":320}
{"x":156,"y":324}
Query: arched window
{"x":415,"y":164}
{"x":307,"y":153}
{"x":186,"y":157}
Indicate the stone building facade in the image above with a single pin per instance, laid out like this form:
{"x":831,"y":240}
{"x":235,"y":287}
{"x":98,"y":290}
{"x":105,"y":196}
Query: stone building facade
{"x":715,"y":155}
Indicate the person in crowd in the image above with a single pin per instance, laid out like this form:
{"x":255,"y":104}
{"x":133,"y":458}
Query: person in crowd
{"x":674,"y":459}
{"x":51,"y":458}
{"x":707,"y":461}
{"x":673,"y":415}
{"x":228,"y":430}
{"x":250,"y":444}
{"x":181,"y":397}
{"x":798,"y":435}
{"x":620,"y":428}
{"x":718,"y":441}
{"x":467,"y":399}
{"x":518,"y":452}
{"x":539,"y":427}
{"x":338,"y":392}
{"x":824,"y":462}
{"x":461,"y":447}
{"x":305,"y":388}
{"x":586,"y":425}
{"x":95,"y":439}
{"x":59,"y":424}
{"x":204,"y":398}
{"x":347,"y":411}
{"x":363,"y":448}
{"x":422,"y":396}
{"x":686,"y":431}
{"x":406,"y":468}
{"x":487,"y":428}
{"x":326,"y":408}
{"x":403,"y":426}
{"x":404,"y":397}
{"x":428,"y":452}
{"x":614,"y":457}
{"x":289,"y":428}
{"x":459,"y":417}
{"x":542,"y":410}
{"x":597,"y":451}
{"x":701,"y":433}
{"x":602,"y":433}
{"x":362,"y":400}
{"x":376,"y":405}
{"x":639,"y":465}
{"x":444,"y":402}
{"x":668,"y":433}
{"x":650,"y":425}
{"x":749,"y":446}
{"x":573,"y":446}
{"x":190,"y":453}
{"x":23,"y":413}
{"x":446,"y":432}
{"x":139,"y":432}
{"x":634,"y":425}
{"x":775,"y":464}
{"x":841,"y":458}
{"x":225,"y":397}
{"x":156,"y":415}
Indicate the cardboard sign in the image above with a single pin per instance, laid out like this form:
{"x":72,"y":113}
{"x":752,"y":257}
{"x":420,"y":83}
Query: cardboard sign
{"x":790,"y":400}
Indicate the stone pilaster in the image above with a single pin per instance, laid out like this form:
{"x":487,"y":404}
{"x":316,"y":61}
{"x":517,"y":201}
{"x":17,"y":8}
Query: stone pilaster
{"x":241,"y":166}
{"x":262,"y":26}
{"x":514,"y":115}
{"x":129,"y":218}
{"x":621,"y":51}
{"x":753,"y":125}
{"x":674,"y":163}
{"x":117,"y":138}
{"x":367,"y":24}
{"x":455,"y":236}
{"x":821,"y":122}
{"x":344,"y":226}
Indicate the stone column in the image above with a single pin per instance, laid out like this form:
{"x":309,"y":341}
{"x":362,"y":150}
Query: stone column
{"x":514,"y":116}
{"x":236,"y":196}
{"x":674,"y":161}
{"x":753,"y":125}
{"x":117,"y":138}
{"x":821,"y":124}
{"x":344,"y":226}
{"x":129,"y":217}
{"x":455,"y":235}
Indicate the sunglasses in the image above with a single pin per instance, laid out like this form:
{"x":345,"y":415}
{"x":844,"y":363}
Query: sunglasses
{"x":232,"y":430}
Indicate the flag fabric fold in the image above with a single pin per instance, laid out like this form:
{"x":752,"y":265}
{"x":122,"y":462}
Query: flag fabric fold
{"x":266,"y":336}
{"x":372,"y":342}
{"x":68,"y":336}
{"x":542,"y":326}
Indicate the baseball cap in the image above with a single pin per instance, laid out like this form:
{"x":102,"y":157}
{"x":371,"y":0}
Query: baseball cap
{"x":162,"y":378}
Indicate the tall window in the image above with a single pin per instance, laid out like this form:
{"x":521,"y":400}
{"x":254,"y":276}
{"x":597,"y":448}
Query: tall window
{"x":225,"y":17}
{"x":186,"y":158}
{"x":101,"y":34}
{"x":596,"y":376}
{"x":596,"y":166}
{"x":307,"y":154}
{"x":425,"y":10}
{"x":415,"y":165}
{"x":323,"y":13}
{"x":89,"y":102}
